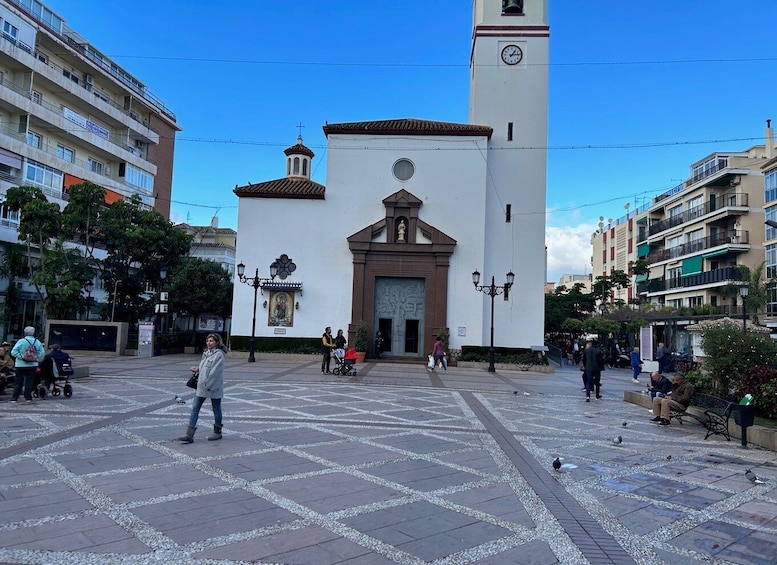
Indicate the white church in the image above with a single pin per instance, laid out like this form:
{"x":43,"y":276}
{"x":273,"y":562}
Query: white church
{"x":410,"y":209}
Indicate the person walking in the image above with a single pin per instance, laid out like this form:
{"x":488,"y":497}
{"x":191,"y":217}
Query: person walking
{"x":327,"y":343}
{"x":210,"y":384}
{"x":27,"y":352}
{"x":593,"y":363}
{"x":439,"y":354}
{"x":636,"y":364}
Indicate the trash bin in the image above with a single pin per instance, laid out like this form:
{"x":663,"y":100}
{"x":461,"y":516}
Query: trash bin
{"x":744,"y":416}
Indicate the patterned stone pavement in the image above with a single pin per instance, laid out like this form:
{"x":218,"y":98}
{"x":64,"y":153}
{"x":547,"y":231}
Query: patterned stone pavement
{"x":393,"y":465}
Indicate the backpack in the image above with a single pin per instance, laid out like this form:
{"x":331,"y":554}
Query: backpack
{"x":31,"y":354}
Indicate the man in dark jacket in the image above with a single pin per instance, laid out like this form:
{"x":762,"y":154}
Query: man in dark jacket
{"x":55,"y":355}
{"x":679,"y":399}
{"x":658,"y":385}
{"x":593,"y":364}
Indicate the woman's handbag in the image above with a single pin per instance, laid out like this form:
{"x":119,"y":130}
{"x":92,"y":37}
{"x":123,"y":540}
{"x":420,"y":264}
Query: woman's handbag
{"x":192,"y":382}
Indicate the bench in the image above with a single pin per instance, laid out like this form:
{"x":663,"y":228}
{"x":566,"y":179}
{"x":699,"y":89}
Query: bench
{"x":716,"y":414}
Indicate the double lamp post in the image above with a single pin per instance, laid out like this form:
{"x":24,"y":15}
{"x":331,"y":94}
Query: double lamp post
{"x":256,"y":283}
{"x":493,"y":290}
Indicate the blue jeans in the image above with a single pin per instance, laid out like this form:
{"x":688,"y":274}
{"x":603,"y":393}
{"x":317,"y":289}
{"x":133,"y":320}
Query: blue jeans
{"x":593,"y":381}
{"x":637,"y":370}
{"x":441,"y":360}
{"x":197,"y":404}
{"x":654,"y":393}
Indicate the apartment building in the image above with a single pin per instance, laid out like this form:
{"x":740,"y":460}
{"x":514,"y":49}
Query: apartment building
{"x":69,"y":114}
{"x":694,"y":235}
{"x":614,"y":249}
{"x":770,"y":236}
{"x":212,"y":243}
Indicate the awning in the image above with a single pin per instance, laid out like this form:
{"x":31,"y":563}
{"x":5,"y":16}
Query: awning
{"x":715,"y":253}
{"x":10,"y":159}
{"x":643,"y":249}
{"x":692,"y":266}
{"x":641,"y":278}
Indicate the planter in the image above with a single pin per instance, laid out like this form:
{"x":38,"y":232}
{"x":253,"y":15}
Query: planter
{"x":360,"y":355}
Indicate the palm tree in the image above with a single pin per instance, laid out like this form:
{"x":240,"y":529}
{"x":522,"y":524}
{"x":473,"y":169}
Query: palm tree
{"x":758,"y":288}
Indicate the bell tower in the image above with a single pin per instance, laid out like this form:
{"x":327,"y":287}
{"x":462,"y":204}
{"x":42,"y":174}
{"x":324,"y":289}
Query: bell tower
{"x":509,"y":92}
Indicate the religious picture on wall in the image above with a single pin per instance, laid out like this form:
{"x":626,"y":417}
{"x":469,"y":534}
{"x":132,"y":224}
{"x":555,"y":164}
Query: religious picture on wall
{"x":281,"y":309}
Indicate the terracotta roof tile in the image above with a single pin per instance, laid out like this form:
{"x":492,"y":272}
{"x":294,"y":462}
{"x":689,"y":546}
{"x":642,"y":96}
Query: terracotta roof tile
{"x":299,"y":149}
{"x":287,"y":187}
{"x":406,"y":126}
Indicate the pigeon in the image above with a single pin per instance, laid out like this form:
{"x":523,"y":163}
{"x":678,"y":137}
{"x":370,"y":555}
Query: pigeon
{"x":179,"y":400}
{"x":624,"y":424}
{"x":515,"y":392}
{"x":753,"y":478}
{"x":617,"y":440}
{"x":668,"y":457}
{"x":557,"y":464}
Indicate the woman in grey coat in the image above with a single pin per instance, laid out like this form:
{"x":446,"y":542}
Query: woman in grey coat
{"x":209,"y":385}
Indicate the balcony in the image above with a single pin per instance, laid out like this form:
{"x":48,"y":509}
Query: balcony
{"x":728,"y":237}
{"x":725,"y":275}
{"x":732,"y":199}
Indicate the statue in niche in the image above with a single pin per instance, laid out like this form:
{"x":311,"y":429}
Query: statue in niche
{"x":401,"y":229}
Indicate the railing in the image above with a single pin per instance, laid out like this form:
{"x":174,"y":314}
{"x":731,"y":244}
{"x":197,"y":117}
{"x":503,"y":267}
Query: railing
{"x":727,"y":274}
{"x":738,"y":199}
{"x":124,"y":79}
{"x":719,"y":166}
{"x":728,"y":237}
{"x":89,"y":88}
{"x":113,"y":139}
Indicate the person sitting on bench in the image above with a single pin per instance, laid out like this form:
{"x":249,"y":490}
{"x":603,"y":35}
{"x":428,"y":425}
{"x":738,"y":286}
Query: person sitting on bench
{"x":658,"y":385}
{"x":679,"y":399}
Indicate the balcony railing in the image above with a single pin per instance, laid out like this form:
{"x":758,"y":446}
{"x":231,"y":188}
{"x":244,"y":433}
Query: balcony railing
{"x":114,"y":139}
{"x":738,"y":199}
{"x":726,"y":274}
{"x":709,"y":171}
{"x":728,"y":237}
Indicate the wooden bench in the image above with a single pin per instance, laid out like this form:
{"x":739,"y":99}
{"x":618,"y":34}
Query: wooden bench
{"x":716,"y":414}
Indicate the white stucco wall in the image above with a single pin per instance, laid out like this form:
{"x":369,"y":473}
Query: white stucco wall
{"x":450,"y":178}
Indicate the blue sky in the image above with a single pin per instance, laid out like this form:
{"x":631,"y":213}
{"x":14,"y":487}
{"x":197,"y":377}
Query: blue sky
{"x":638,"y":90}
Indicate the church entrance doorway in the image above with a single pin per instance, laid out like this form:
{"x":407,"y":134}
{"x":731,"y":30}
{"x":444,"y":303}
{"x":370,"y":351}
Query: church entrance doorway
{"x":399,"y":314}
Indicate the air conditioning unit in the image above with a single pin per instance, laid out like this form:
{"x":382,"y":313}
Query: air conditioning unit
{"x":88,"y":81}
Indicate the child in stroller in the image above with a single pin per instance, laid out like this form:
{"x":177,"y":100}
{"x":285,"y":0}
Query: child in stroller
{"x":344,"y":364}
{"x":55,"y":366}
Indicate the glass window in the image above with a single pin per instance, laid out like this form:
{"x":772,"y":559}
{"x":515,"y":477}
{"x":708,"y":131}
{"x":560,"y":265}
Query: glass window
{"x":770,"y":186}
{"x":65,"y":153}
{"x":95,"y":166}
{"x":34,"y":139}
{"x":10,"y":30}
{"x":404,"y":169}
{"x":139,"y":178}
{"x":771,"y":261}
{"x":771,"y":215}
{"x":45,"y":176}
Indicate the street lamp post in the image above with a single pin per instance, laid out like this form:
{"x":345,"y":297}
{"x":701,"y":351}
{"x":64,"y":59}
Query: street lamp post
{"x":493,"y":290}
{"x":89,"y":286}
{"x":160,"y":314}
{"x":744,"y":290}
{"x":115,"y":289}
{"x":256,"y":283}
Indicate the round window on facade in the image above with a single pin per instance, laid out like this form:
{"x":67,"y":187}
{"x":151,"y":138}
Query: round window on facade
{"x":404,"y":169}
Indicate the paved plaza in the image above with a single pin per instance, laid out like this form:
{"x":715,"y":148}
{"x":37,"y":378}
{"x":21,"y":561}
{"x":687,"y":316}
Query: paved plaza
{"x":393,"y":465}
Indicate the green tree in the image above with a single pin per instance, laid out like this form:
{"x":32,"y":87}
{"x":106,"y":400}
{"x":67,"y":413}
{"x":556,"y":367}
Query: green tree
{"x":12,"y":266}
{"x":139,"y":242}
{"x":200,"y":287}
{"x":731,"y":352}
{"x":566,"y":303}
{"x":39,"y":223}
{"x":758,"y":289}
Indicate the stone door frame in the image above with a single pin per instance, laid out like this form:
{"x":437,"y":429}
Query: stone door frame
{"x":400,"y":256}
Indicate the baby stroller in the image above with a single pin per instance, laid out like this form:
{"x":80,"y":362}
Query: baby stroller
{"x":49,"y":372}
{"x":344,"y":365}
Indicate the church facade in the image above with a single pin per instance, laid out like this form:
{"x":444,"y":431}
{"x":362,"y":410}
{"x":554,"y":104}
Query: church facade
{"x":410,"y":209}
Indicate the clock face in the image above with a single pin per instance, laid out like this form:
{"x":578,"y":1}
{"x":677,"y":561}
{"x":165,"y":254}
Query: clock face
{"x":512,"y":54}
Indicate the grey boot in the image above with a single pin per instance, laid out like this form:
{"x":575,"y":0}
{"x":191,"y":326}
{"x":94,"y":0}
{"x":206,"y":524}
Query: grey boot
{"x":216,"y":434}
{"x":189,"y":437}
